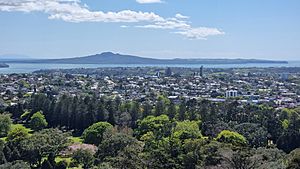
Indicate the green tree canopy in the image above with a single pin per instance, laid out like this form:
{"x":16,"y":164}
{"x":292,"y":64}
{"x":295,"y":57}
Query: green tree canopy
{"x":38,"y":121}
{"x":114,"y":144}
{"x":231,"y":137}
{"x":254,"y":133}
{"x":17,"y":134}
{"x":187,"y":130}
{"x":43,"y":144}
{"x":94,"y":133}
{"x":83,"y":156}
{"x":15,"y":165}
{"x":5,"y":124}
{"x":159,"y":126}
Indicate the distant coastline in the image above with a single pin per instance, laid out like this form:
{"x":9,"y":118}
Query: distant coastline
{"x":115,"y":58}
{"x":31,"y":67}
{"x":4,"y":65}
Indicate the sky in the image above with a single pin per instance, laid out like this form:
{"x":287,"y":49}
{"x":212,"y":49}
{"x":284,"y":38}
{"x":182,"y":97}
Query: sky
{"x":258,"y":29}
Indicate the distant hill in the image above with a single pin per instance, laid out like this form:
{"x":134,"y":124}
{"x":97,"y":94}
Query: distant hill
{"x":3,"y":65}
{"x":112,"y":58}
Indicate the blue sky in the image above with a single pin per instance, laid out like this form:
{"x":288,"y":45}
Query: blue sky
{"x":262,"y":29}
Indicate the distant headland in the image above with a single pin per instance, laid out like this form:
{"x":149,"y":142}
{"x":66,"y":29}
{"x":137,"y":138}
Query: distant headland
{"x":115,"y":58}
{"x":3,"y":65}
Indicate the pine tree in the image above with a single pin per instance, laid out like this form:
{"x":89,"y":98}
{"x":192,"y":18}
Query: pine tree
{"x":159,"y":108}
{"x":111,"y":112}
{"x":171,"y":110}
{"x":182,"y":111}
{"x":134,"y":112}
{"x":147,"y":108}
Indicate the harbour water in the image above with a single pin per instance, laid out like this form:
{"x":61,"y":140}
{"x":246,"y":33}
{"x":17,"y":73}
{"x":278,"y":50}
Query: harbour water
{"x":31,"y":67}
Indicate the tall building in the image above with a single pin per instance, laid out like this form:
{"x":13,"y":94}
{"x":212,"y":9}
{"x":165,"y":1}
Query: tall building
{"x":168,"y":72}
{"x":157,"y":74}
{"x":201,"y":71}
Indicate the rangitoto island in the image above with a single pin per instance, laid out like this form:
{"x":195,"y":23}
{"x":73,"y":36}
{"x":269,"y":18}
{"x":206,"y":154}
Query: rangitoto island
{"x":115,"y":58}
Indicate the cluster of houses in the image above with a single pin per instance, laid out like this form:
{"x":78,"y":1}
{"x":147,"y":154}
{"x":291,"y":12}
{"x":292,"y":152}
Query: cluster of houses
{"x":279,"y":89}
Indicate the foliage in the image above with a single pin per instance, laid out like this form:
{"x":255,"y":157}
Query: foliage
{"x":38,"y":121}
{"x":190,"y":134}
{"x":159,"y":126}
{"x":187,"y":130}
{"x":5,"y":124}
{"x":113,"y":144}
{"x":94,"y":133}
{"x":293,"y":159}
{"x":42,"y":144}
{"x":17,"y":134}
{"x":289,"y":141}
{"x":254,"y":133}
{"x":15,"y":165}
{"x":25,"y":115}
{"x":83,"y":156}
{"x":231,"y":137}
{"x":121,"y":151}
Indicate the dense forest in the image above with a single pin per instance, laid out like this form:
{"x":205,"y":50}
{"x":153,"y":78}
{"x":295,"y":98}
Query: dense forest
{"x":106,"y":133}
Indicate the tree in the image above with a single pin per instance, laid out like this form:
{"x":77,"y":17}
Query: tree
{"x":94,"y":133}
{"x":289,"y":141}
{"x":241,"y":159}
{"x":85,"y":157}
{"x":159,"y":107}
{"x":171,"y":111}
{"x":100,"y":112}
{"x":159,"y":126}
{"x":46,"y":165}
{"x":231,"y":137}
{"x":129,"y":157}
{"x":294,"y":159}
{"x":147,"y":110}
{"x":111,"y":112}
{"x":121,"y":150}
{"x":134,"y":113}
{"x":38,"y":121}
{"x":254,"y":133}
{"x":192,"y":154}
{"x":182,"y":111}
{"x":15,"y":165}
{"x":45,"y":143}
{"x":269,"y":158}
{"x":159,"y":154}
{"x":212,"y":128}
{"x":187,"y":130}
{"x":5,"y":124}
{"x":2,"y":155}
{"x":16,"y":135}
{"x":61,"y":165}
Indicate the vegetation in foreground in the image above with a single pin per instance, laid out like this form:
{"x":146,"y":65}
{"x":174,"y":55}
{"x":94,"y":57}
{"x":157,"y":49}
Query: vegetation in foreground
{"x":90,"y":132}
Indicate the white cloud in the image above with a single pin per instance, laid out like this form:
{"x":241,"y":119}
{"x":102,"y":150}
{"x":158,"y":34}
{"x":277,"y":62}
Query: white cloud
{"x":75,"y":11}
{"x":179,"y":16}
{"x":184,"y":28}
{"x":170,"y":23}
{"x":200,"y":33}
{"x":148,"y":1}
